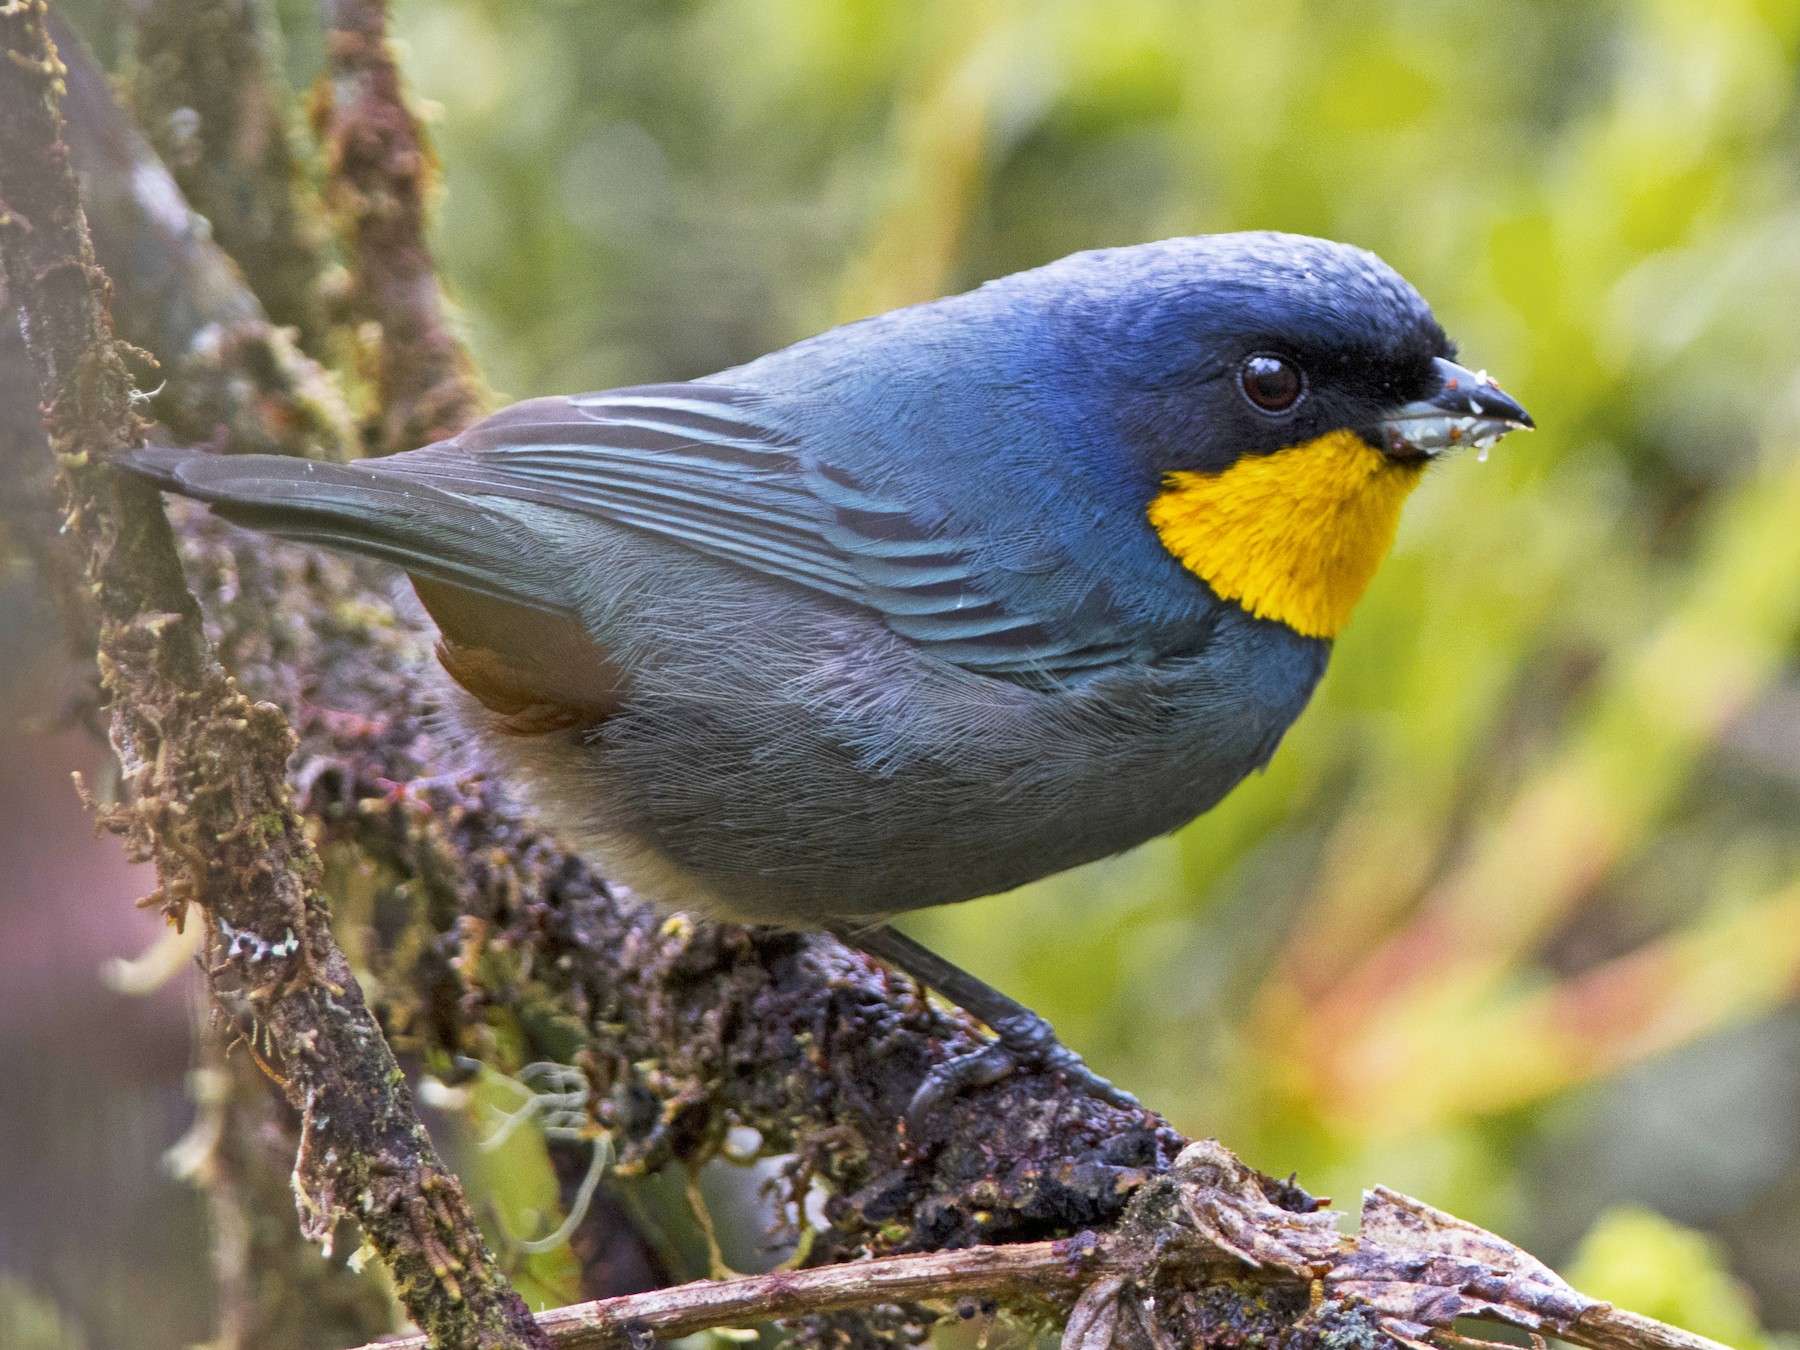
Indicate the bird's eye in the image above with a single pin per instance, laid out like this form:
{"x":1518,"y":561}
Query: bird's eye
{"x":1272,"y":383}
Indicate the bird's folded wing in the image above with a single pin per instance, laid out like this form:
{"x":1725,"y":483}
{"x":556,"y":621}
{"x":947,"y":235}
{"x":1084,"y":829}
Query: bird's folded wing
{"x":696,"y":463}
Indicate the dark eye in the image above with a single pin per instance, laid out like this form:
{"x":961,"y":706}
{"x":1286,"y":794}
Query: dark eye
{"x":1272,"y":383}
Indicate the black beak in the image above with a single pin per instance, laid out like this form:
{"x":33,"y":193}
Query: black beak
{"x":1469,"y":409}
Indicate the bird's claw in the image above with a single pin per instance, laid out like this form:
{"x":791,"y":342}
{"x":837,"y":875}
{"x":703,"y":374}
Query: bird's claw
{"x":1021,"y":1040}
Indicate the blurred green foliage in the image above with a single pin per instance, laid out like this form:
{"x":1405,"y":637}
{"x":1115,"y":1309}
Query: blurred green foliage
{"x":1639,"y":1260}
{"x":29,"y":1321}
{"x":1536,"y":834}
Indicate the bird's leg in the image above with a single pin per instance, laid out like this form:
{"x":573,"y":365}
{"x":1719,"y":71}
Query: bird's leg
{"x":1020,"y":1035}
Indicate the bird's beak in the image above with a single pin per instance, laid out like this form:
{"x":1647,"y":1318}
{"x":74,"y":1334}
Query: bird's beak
{"x":1469,"y":409}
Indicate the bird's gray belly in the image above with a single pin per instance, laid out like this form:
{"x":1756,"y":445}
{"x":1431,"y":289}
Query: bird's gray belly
{"x":785,"y":760}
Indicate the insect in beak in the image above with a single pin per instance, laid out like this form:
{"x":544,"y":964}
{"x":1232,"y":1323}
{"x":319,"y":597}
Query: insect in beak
{"x":1468,"y":410}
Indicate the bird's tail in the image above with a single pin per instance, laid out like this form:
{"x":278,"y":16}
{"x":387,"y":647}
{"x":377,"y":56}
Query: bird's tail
{"x":364,"y":508}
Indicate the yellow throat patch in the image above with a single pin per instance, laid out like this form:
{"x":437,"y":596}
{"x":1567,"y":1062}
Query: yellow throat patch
{"x":1294,"y":536}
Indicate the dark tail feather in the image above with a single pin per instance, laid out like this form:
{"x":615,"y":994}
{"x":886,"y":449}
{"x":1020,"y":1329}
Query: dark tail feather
{"x":358,"y":508}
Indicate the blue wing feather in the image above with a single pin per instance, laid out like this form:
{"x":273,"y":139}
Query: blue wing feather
{"x":696,"y":463}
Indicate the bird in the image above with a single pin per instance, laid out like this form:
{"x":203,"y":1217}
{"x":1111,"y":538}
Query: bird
{"x":924,"y":607}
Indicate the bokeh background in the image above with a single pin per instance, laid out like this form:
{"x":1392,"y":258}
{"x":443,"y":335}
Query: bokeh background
{"x":1512,"y":922}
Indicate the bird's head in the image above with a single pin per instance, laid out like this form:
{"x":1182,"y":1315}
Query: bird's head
{"x":1280,"y":396}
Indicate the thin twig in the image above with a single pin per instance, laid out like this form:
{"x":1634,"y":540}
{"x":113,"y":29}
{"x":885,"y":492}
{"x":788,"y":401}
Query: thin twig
{"x":206,"y":767}
{"x":977,"y":1272}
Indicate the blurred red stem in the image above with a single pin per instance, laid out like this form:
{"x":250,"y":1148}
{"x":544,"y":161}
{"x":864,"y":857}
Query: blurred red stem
{"x":378,"y":170}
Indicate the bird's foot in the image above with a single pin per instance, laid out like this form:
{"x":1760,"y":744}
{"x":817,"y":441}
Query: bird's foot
{"x":1022,"y":1039}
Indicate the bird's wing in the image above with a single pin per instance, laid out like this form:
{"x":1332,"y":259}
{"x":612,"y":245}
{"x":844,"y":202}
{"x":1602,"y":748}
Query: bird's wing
{"x":696,"y":463}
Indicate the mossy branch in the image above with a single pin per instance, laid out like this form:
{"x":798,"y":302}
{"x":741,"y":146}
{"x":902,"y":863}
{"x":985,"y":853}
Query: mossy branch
{"x":205,"y":767}
{"x":1154,"y":1280}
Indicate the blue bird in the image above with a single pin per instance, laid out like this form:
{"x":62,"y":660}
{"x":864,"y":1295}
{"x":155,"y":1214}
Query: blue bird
{"x":929,"y":605}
